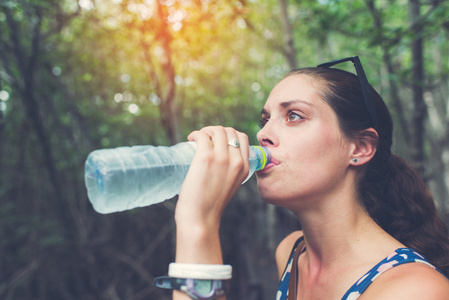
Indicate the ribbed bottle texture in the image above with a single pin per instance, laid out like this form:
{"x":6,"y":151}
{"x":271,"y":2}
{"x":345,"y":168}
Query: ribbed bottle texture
{"x":124,"y":178}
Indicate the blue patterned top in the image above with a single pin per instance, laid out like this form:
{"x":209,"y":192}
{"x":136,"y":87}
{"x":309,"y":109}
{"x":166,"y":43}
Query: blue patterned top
{"x":398,"y":257}
{"x":282,"y":293}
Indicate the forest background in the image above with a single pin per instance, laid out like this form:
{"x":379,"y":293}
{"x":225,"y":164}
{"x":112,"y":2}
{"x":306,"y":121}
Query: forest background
{"x":76,"y":76}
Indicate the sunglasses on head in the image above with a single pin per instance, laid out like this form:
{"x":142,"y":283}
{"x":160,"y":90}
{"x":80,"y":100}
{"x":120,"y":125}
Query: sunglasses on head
{"x":367,"y":96}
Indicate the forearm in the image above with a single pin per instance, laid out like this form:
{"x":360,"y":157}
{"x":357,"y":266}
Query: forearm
{"x":215,"y":175}
{"x":197,"y":244}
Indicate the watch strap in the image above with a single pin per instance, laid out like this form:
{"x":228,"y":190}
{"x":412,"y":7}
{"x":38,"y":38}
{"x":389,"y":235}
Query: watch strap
{"x":187,"y":285}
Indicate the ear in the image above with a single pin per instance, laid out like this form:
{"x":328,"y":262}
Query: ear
{"x":364,"y":147}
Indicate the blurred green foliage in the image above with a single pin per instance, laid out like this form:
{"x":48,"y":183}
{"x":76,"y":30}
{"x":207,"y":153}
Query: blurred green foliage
{"x":81,"y":75}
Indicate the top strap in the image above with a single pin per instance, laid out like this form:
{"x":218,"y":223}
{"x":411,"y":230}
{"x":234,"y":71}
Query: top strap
{"x":293,"y":282}
{"x":399,"y":257}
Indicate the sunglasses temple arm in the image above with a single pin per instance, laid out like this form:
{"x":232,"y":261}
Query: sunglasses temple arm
{"x":369,"y":101}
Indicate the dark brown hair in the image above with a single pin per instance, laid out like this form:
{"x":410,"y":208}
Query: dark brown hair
{"x":392,"y":192}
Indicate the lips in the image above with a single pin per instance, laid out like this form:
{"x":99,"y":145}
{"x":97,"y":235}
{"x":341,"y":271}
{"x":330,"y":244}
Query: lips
{"x":272,"y":164}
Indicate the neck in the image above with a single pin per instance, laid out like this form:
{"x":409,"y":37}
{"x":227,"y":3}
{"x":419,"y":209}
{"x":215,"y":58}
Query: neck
{"x":338,"y":230}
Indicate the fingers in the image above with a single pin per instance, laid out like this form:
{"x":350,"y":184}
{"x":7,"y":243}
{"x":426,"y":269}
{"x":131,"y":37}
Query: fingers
{"x":244,"y":144}
{"x":216,"y":173}
{"x":214,"y":141}
{"x":203,"y":140}
{"x":238,"y":155}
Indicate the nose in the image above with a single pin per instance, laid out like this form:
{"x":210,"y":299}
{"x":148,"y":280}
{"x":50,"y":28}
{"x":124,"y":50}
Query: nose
{"x":267,"y":137}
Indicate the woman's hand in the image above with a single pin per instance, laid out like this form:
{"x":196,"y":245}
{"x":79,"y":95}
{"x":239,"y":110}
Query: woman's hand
{"x":215,"y":175}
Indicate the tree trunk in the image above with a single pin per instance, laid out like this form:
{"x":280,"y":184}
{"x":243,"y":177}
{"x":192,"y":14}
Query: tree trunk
{"x":394,"y":90}
{"x":168,"y":108}
{"x":417,"y":86}
{"x":289,"y":47}
{"x":27,"y":66}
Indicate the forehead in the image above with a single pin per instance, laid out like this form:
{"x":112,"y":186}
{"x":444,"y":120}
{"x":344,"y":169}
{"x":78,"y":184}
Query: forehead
{"x":293,"y":88}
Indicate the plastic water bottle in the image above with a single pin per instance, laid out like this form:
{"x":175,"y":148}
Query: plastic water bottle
{"x":128,"y":177}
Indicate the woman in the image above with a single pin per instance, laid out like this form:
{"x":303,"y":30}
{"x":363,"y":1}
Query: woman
{"x":333,"y":168}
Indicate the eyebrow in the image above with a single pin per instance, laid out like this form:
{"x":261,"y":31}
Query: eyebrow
{"x":288,"y":103}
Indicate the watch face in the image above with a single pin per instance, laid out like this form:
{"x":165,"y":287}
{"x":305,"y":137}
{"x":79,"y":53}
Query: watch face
{"x":196,"y":288}
{"x":203,"y":287}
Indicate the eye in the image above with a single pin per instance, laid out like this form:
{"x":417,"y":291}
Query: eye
{"x":292,"y":116}
{"x":262,"y":122}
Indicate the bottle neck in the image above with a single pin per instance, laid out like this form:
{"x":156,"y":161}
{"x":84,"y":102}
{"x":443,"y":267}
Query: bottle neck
{"x":263,"y":156}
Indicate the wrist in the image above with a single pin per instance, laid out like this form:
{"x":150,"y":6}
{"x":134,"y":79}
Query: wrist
{"x":197,"y":228}
{"x":196,"y":231}
{"x":198,"y":245}
{"x":189,"y":217}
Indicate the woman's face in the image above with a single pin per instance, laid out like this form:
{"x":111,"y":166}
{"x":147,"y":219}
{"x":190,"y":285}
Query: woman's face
{"x":310,"y":154}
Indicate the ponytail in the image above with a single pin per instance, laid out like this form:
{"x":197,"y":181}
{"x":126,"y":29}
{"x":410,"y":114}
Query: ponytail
{"x":402,"y":205}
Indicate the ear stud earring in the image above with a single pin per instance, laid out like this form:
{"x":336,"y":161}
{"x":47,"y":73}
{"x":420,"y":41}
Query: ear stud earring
{"x":355,"y":160}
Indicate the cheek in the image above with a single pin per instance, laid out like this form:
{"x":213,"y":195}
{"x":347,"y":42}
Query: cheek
{"x":330,"y":144}
{"x":313,"y":149}
{"x":317,"y":158}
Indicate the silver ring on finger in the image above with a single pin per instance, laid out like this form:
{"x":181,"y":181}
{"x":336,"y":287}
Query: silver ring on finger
{"x":234,"y":143}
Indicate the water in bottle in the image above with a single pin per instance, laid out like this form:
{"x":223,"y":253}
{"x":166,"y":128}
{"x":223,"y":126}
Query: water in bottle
{"x":128,"y":177}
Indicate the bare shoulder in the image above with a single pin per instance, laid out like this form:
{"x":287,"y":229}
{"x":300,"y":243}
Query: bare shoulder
{"x":409,"y":281}
{"x":284,"y":249}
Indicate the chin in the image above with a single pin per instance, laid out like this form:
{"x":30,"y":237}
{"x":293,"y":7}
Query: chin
{"x":269,"y":185}
{"x":278,"y":194}
{"x":270,"y":196}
